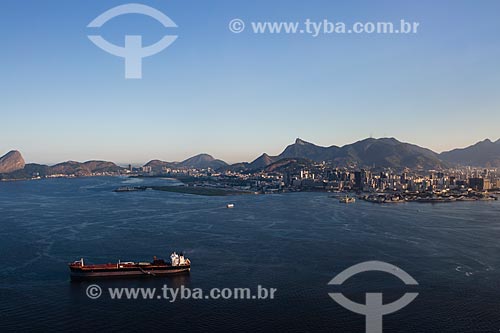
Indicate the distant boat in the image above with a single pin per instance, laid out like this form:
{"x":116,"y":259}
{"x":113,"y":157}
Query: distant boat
{"x":130,"y":189}
{"x":347,"y":200}
{"x":230,"y":205}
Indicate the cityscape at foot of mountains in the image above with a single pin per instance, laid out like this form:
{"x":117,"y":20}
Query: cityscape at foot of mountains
{"x":394,"y":171}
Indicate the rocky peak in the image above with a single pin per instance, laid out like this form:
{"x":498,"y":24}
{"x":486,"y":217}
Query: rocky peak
{"x":11,"y":161}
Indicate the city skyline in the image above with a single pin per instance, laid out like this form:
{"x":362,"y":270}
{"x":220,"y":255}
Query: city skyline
{"x":236,"y":96}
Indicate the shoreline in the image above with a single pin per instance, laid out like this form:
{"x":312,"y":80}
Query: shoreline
{"x":190,"y":187}
{"x":184,"y":189}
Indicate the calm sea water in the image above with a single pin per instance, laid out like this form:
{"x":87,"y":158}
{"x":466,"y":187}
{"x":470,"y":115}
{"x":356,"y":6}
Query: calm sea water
{"x":294,"y":242}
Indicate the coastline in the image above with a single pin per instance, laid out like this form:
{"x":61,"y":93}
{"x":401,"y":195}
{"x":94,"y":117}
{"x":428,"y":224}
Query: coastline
{"x":194,"y":186}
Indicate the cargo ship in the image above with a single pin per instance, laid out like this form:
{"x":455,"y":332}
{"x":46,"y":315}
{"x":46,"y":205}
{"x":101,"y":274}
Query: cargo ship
{"x":158,"y":267}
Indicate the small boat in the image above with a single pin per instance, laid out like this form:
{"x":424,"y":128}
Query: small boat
{"x":347,"y":200}
{"x":130,"y":189}
{"x":230,"y":205}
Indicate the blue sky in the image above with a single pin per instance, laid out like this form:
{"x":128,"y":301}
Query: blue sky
{"x":238,"y":95}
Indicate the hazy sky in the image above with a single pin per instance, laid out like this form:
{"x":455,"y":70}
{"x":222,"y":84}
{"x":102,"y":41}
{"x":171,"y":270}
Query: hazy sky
{"x":238,"y":95}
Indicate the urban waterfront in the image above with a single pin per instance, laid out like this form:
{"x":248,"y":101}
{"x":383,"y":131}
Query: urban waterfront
{"x":294,"y":242}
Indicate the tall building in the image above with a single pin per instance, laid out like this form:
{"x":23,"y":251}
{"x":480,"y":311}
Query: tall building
{"x":476,"y":183}
{"x":360,"y":179}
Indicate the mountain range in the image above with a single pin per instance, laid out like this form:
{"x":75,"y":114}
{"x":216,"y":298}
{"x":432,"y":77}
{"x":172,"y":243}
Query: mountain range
{"x":388,"y":152}
{"x":485,"y":153}
{"x":27,"y":171}
{"x":368,"y":153}
{"x":201,"y":161}
{"x":384,"y":152}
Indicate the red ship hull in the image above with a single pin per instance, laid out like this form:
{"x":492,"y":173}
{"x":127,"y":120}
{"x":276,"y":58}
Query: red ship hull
{"x":78,"y":271}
